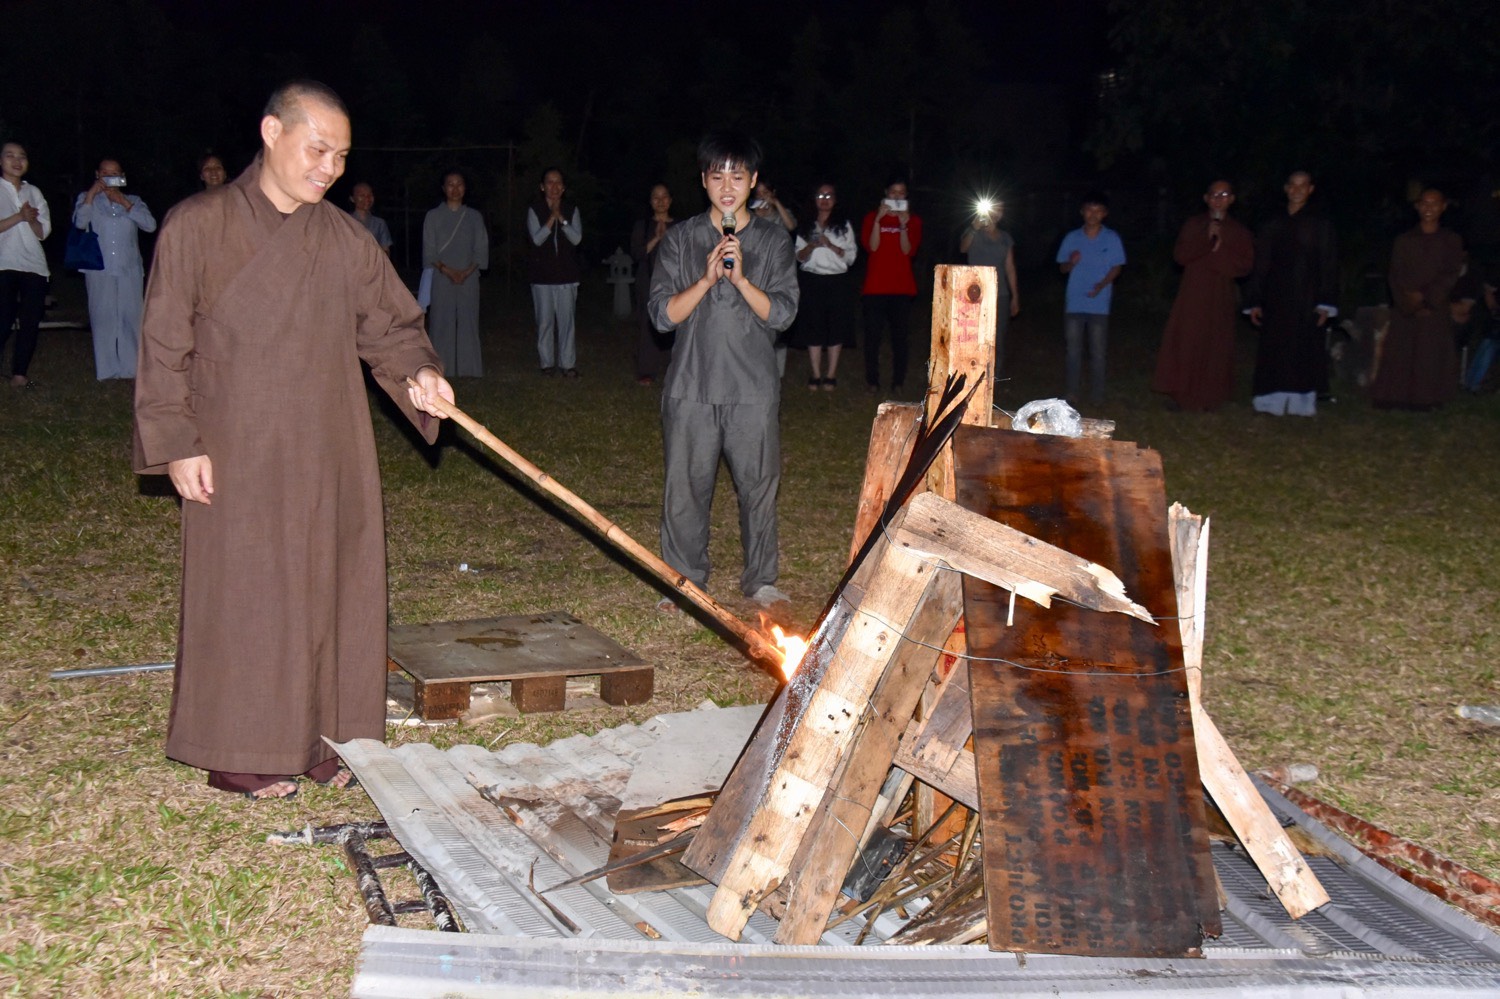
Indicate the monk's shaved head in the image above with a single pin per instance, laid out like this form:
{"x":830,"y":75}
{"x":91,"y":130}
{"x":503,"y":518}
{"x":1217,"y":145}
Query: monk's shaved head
{"x":305,"y":137}
{"x":289,"y":102}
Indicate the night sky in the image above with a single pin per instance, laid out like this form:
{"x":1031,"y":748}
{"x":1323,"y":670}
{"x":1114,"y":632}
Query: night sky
{"x":969,"y":97}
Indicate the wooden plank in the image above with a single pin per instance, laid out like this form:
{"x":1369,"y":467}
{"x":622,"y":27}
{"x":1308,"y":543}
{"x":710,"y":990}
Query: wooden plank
{"x":998,"y":554}
{"x":518,"y":646}
{"x":1188,"y":534}
{"x":1090,"y":799}
{"x":957,"y":780}
{"x":751,"y":775}
{"x":1259,"y":832}
{"x":831,"y":842}
{"x":963,"y":341}
{"x":891,"y":439}
{"x":942,"y":736}
{"x":809,"y":743}
{"x":640,"y":830}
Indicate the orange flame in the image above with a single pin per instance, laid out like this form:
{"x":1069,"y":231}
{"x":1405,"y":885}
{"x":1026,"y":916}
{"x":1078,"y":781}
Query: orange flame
{"x":792,"y":648}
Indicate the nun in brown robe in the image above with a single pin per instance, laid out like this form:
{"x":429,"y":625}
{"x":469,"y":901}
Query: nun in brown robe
{"x":1418,"y":358}
{"x":255,"y":324}
{"x":1195,"y":367}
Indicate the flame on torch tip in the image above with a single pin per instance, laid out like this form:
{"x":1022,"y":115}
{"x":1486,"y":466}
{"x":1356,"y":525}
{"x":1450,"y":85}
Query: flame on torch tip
{"x":792,"y":649}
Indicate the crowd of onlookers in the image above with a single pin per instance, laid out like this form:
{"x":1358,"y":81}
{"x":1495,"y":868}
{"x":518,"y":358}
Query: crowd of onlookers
{"x":1283,"y":278}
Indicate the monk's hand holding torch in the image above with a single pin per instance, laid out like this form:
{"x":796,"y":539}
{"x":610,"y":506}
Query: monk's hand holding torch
{"x":425,"y":386}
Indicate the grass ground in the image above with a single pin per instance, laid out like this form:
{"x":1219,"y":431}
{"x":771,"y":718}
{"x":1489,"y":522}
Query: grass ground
{"x":1352,"y":606}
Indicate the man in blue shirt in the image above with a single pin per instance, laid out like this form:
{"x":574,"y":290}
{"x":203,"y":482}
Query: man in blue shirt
{"x":1092,"y":257}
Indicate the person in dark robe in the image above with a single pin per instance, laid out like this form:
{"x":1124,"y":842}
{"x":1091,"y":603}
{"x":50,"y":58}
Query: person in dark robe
{"x":262,"y":302}
{"x":1195,"y":368}
{"x":1290,"y":297}
{"x":1418,"y":359}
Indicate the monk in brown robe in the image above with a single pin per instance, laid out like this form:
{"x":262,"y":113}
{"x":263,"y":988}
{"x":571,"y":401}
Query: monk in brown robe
{"x":1418,"y":358}
{"x":1196,"y":365}
{"x":263,"y":300}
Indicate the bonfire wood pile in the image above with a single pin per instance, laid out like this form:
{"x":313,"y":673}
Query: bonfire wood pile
{"x":1027,"y":772}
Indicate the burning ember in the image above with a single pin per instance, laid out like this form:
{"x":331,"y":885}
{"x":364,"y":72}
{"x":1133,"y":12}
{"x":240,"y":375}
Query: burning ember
{"x":792,"y":647}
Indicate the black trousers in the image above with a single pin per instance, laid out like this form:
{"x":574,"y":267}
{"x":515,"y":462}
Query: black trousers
{"x":893,"y":311}
{"x":22,"y":295}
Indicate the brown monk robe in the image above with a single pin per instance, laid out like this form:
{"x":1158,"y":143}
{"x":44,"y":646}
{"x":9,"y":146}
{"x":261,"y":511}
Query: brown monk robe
{"x":254,"y":327}
{"x":1196,"y":364}
{"x":1418,"y":358}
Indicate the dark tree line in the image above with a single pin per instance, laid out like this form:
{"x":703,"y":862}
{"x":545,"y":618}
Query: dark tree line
{"x":973,"y":98}
{"x":617,"y":95}
{"x":1376,"y":99}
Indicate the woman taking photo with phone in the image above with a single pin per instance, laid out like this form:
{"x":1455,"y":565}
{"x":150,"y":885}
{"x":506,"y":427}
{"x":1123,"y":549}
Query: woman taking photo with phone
{"x":891,"y":235}
{"x":116,"y":293}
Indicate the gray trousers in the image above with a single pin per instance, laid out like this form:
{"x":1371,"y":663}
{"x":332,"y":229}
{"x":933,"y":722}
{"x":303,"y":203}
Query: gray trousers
{"x":555,"y":306}
{"x":116,"y":302}
{"x":1074,"y":325}
{"x":694,"y":436}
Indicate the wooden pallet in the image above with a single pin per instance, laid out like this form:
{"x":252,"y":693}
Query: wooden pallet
{"x":534,"y":653}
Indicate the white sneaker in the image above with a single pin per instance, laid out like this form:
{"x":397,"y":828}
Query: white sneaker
{"x":768,"y":595}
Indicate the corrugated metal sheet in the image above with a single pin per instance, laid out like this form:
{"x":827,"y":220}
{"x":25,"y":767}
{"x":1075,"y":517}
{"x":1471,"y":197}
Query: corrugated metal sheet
{"x":1379,"y":936}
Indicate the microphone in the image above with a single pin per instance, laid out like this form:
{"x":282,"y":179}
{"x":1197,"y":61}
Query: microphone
{"x":728,"y":224}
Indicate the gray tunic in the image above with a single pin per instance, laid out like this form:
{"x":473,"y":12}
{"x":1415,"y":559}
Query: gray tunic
{"x":459,"y":240}
{"x":725,"y":353}
{"x":721,"y":394}
{"x":985,"y":252}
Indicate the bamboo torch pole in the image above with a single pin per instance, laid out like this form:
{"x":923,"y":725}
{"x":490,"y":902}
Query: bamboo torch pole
{"x":757,"y":643}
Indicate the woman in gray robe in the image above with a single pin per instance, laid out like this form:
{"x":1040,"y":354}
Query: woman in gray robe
{"x":455,"y":245}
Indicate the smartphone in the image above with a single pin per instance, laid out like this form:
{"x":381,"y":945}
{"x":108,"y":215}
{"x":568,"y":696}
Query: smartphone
{"x":113,"y":181}
{"x":894,"y":204}
{"x":757,"y":204}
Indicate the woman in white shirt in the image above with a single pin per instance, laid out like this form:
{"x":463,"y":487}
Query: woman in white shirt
{"x":24,"y":223}
{"x":826,"y":248}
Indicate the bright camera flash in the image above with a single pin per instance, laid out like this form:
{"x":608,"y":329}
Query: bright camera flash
{"x":983,"y":207}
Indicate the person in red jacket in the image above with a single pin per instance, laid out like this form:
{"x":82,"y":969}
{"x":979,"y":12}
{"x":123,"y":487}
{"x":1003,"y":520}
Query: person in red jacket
{"x":891,"y":235}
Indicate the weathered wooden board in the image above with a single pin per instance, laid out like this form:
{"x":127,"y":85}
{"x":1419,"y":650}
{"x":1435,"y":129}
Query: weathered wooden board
{"x":942,"y":735}
{"x":747,"y":782}
{"x":535,"y":652}
{"x":955,"y":779}
{"x":1090,"y":799}
{"x":963,"y":342}
{"x":1245,"y":810}
{"x":832,"y":840}
{"x":750,"y":846}
{"x":1034,"y":569}
{"x":507,"y":648}
{"x":639,"y":830}
{"x":892,"y":436}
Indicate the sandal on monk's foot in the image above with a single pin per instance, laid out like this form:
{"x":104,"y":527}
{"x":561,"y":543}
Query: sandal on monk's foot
{"x":342,"y":780}
{"x":270,"y":791}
